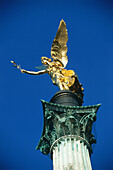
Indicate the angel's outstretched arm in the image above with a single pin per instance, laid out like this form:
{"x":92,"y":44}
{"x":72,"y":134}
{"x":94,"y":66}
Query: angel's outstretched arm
{"x":29,"y":72}
{"x":34,"y":72}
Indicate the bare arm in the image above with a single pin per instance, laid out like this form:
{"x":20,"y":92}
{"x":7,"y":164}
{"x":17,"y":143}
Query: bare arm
{"x":29,"y":72}
{"x":34,"y":72}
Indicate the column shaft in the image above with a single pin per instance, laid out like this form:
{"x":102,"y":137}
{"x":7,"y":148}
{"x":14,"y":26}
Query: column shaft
{"x":71,"y":154}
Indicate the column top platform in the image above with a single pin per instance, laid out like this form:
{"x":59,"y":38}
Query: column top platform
{"x":67,"y":98}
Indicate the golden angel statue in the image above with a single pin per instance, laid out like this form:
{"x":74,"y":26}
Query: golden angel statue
{"x":55,"y":67}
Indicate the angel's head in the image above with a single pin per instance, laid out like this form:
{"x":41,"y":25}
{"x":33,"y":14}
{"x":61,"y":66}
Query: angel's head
{"x":45,"y":60}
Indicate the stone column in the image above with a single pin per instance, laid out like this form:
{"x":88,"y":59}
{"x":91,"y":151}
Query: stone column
{"x":66,"y":135}
{"x":71,"y":153}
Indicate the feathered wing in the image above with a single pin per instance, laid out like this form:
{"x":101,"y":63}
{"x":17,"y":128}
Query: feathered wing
{"x":59,"y":47}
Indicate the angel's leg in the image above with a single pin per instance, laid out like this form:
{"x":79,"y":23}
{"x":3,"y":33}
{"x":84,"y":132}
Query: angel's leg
{"x":58,"y":82}
{"x":60,"y":85}
{"x":65,"y":86}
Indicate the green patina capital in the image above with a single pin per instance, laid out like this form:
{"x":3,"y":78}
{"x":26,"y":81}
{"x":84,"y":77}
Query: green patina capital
{"x":60,"y":120}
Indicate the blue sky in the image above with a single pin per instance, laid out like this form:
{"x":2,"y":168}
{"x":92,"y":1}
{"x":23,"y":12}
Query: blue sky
{"x":27,"y":30}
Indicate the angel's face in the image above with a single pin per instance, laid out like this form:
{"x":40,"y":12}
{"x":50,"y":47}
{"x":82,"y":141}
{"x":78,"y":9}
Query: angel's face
{"x":44,"y":60}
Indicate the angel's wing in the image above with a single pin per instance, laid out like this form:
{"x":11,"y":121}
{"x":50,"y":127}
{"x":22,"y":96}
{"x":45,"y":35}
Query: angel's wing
{"x":59,"y":47}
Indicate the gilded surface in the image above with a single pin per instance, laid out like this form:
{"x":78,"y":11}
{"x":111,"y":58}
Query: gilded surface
{"x":55,"y":67}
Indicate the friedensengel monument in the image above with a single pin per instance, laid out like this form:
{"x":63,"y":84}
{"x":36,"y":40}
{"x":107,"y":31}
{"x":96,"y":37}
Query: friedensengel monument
{"x":67,"y":125}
